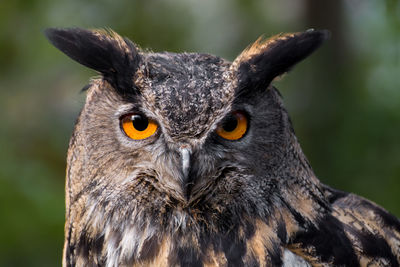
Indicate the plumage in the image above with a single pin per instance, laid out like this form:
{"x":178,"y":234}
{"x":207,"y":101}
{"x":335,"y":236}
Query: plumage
{"x":184,"y":194}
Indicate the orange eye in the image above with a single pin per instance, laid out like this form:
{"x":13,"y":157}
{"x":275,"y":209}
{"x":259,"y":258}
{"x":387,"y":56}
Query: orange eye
{"x":138,"y":126}
{"x":234,"y":126}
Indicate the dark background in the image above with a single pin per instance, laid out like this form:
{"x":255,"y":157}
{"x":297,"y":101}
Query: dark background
{"x":344,"y":100}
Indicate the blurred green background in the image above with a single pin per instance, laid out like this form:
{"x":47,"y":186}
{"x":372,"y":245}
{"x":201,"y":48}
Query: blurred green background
{"x":344,"y":100}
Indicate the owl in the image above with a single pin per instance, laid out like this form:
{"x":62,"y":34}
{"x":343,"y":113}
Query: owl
{"x":187,"y":159}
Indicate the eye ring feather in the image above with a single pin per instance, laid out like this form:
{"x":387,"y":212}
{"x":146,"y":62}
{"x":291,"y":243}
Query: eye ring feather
{"x":234,"y":126}
{"x":137,"y":126}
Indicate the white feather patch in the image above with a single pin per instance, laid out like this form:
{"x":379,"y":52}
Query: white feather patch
{"x":292,"y":260}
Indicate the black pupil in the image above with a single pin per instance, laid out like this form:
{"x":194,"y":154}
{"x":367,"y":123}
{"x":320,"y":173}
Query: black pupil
{"x":140,"y":122}
{"x":230,"y":124}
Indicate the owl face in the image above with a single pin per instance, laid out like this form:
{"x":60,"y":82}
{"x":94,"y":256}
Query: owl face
{"x":186,"y":129}
{"x":179,"y":129}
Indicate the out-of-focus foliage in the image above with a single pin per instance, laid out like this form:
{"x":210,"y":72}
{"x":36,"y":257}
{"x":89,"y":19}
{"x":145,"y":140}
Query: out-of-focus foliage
{"x":344,"y":100}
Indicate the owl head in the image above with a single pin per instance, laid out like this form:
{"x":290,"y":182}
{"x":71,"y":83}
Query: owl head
{"x":176,"y":139}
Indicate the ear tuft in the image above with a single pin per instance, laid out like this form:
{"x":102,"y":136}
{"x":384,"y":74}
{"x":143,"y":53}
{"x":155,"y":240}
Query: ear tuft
{"x":115,"y":57}
{"x":264,"y":60}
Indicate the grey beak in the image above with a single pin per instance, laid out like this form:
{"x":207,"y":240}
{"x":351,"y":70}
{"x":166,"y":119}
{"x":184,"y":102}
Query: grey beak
{"x":185,"y":152}
{"x":185,"y":161}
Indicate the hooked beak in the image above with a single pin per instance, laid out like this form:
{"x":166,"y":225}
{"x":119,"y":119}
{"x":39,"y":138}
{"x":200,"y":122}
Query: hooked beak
{"x":185,"y":153}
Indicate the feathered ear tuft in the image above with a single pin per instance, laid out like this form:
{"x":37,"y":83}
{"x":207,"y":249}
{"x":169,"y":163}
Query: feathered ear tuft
{"x":264,"y":60}
{"x":116,"y":58}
